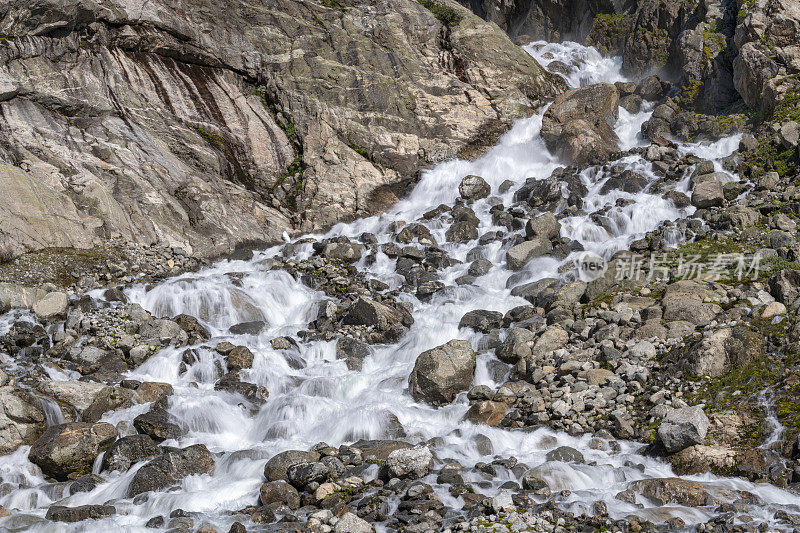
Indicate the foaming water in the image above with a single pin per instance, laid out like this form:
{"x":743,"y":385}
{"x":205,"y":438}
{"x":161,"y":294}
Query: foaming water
{"x":314,"y":397}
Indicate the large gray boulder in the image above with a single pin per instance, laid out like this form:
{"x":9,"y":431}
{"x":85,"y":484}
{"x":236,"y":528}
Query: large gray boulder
{"x":682,"y":428}
{"x":442,"y":372}
{"x":519,"y":255}
{"x":22,"y":418}
{"x":277,"y":467}
{"x":54,"y":305}
{"x":71,"y":448}
{"x":579,"y":124}
{"x":170,"y":468}
{"x":412,"y":463}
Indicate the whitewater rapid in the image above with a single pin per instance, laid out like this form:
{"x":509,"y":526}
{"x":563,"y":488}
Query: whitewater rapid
{"x":313,"y":397}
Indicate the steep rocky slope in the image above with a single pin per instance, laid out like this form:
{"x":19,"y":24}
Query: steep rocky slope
{"x":204,"y":125}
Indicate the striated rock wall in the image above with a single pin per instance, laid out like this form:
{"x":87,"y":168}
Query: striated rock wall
{"x":205,"y":125}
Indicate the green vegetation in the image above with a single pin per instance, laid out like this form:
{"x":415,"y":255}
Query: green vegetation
{"x":448,"y":16}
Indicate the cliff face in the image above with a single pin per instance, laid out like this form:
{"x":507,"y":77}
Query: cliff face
{"x":205,"y":124}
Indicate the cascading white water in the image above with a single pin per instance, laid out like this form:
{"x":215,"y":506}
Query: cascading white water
{"x":314,"y":397}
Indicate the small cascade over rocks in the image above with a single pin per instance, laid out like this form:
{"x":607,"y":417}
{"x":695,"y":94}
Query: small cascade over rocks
{"x":414,"y":369}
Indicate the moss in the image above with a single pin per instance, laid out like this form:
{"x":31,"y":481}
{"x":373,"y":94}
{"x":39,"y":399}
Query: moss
{"x":445,"y":14}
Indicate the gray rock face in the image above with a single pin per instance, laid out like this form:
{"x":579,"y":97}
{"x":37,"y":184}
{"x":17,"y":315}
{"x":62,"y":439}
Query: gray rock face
{"x":350,"y":523}
{"x":22,"y":418}
{"x":579,"y":125}
{"x":69,"y":448}
{"x":682,"y":428}
{"x":170,"y":467}
{"x":412,"y":463}
{"x":128,"y":450}
{"x":202,"y":125}
{"x":442,"y":372}
{"x":279,"y":492}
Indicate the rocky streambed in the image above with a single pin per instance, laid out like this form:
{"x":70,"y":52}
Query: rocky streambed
{"x":443,"y":366}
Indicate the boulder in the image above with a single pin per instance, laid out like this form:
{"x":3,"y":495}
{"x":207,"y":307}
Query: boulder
{"x":684,"y":300}
{"x":53,"y":305}
{"x":474,"y":188}
{"x":129,"y":450}
{"x":518,"y":345}
{"x":196,"y":332}
{"x":714,"y":354}
{"x":380,"y":449}
{"x":481,"y":320}
{"x":441,"y":373}
{"x":60,"y":513}
{"x":156,"y":424}
{"x":170,"y":467}
{"x":279,"y":492}
{"x":153,"y":391}
{"x":565,"y":454}
{"x":22,"y":418}
{"x":410,"y":463}
{"x":579,"y":124}
{"x":67,"y":449}
{"x":368,"y":312}
{"x":343,"y":251}
{"x":682,"y":428}
{"x":251,"y":327}
{"x":519,"y":255}
{"x":162,"y":332}
{"x":239,"y":358}
{"x":545,"y":225}
{"x":666,"y":491}
{"x":301,"y":475}
{"x":276,"y":468}
{"x":77,"y":395}
{"x":708,"y":193}
{"x":487,"y":412}
{"x":350,"y":523}
{"x":108,"y":399}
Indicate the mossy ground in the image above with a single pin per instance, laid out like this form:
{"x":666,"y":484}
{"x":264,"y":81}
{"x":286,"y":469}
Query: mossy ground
{"x":60,"y":266}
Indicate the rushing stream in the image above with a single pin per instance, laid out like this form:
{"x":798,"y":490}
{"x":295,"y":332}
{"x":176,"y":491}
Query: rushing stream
{"x":313,"y":396}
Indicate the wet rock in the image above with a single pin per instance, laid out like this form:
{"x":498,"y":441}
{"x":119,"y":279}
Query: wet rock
{"x":22,"y":418}
{"x":462,"y":231}
{"x":196,"y":332}
{"x":353,"y":352}
{"x":60,"y":513}
{"x":480,"y":320}
{"x":412,"y":463}
{"x":579,"y":124}
{"x":78,"y":395}
{"x":153,"y":391}
{"x":369,"y":312}
{"x":156,"y":424}
{"x":682,"y":428}
{"x":252,"y":327}
{"x":545,"y":225}
{"x":565,"y":454}
{"x":85,"y":483}
{"x":231,"y":382}
{"x":276,"y":468}
{"x":67,"y":449}
{"x":108,"y":399}
{"x":52,"y":306}
{"x":162,"y":332}
{"x":279,"y":492}
{"x":441,"y":373}
{"x":240,"y":358}
{"x":518,"y":345}
{"x":474,"y":188}
{"x":379,"y":449}
{"x":666,"y":491}
{"x":170,"y":468}
{"x":129,"y":450}
{"x":301,"y":475}
{"x":479,"y":267}
{"x":486,"y":412}
{"x":519,"y":255}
